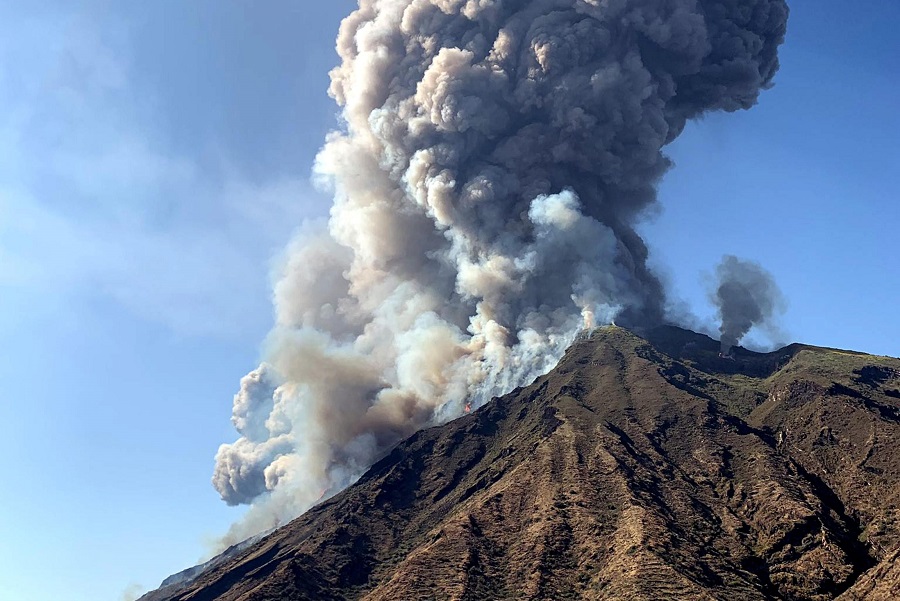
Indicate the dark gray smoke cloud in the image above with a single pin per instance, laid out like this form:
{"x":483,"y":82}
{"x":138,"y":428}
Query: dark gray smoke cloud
{"x":746,"y":296}
{"x":495,"y":157}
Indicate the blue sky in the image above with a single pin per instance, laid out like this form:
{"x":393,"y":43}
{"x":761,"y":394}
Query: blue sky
{"x":155,"y":158}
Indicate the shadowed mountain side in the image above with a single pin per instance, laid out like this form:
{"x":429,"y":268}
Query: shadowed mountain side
{"x":637,"y":469}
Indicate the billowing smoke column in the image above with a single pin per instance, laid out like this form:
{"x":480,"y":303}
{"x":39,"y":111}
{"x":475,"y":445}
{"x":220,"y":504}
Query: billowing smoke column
{"x":495,"y":157}
{"x":746,"y":296}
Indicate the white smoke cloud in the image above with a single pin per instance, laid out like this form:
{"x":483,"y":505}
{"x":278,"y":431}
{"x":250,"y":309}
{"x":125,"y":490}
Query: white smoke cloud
{"x":494,"y":159}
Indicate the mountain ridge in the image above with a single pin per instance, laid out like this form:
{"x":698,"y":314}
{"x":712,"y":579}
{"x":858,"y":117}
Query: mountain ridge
{"x":641,"y":467}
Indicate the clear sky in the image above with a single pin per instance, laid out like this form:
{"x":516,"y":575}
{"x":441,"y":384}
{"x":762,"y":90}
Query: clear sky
{"x":154,"y":159}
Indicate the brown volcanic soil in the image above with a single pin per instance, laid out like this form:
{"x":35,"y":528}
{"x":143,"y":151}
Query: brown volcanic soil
{"x":637,"y":469}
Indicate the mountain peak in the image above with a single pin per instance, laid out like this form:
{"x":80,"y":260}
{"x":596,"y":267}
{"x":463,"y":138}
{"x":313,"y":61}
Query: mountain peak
{"x":644,"y":466}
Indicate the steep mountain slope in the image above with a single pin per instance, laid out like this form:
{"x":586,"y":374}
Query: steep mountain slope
{"x":640,"y":468}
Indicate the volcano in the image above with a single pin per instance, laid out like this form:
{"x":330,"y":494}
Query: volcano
{"x":644,"y":466}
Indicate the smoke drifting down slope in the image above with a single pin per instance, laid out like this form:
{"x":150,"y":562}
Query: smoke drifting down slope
{"x":495,"y":157}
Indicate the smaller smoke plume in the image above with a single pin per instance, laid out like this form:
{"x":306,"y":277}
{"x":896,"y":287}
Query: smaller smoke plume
{"x":746,"y":296}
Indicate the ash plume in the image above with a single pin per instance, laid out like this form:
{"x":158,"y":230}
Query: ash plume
{"x":494,"y":158}
{"x":746,"y":296}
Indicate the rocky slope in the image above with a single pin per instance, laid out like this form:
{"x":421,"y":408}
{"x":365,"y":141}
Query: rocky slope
{"x":640,"y":468}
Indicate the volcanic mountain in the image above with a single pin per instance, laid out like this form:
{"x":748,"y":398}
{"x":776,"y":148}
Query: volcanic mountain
{"x":641,"y":467}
